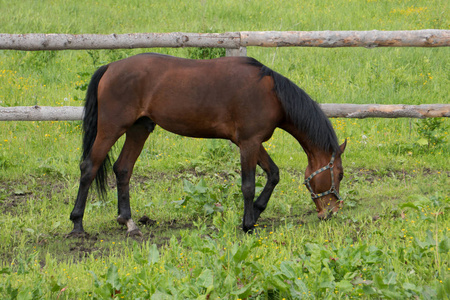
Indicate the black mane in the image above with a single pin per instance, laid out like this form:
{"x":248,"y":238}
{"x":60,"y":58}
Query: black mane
{"x":304,"y":112}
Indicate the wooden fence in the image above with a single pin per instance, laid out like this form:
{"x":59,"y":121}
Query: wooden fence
{"x":229,"y":40}
{"x":235,"y":43}
{"x":73,"y":113}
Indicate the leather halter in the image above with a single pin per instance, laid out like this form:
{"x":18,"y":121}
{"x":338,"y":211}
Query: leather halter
{"x":332,"y":189}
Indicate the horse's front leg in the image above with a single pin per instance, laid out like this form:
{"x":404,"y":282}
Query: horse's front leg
{"x":248,"y":167}
{"x":273,"y":177}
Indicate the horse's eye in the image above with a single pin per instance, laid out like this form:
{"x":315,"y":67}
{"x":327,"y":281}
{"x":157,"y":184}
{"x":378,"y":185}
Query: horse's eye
{"x":341,"y":175}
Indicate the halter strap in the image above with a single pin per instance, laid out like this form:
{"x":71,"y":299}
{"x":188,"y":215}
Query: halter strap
{"x":332,"y":189}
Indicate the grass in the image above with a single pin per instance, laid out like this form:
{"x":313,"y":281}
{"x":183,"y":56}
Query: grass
{"x":391,"y":240}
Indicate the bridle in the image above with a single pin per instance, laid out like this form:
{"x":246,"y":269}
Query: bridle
{"x":332,"y":189}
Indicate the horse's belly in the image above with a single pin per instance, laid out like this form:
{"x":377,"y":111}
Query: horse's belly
{"x":195,"y":127}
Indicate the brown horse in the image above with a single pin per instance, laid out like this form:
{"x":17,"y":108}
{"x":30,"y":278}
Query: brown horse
{"x":234,"y":98}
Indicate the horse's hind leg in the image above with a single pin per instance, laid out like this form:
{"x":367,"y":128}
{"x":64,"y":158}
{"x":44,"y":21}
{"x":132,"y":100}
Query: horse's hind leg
{"x":136,"y":136}
{"x":89,"y":168}
{"x":273,"y":177}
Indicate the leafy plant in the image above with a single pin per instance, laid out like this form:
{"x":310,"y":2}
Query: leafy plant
{"x":82,"y":84}
{"x":111,"y":285}
{"x":4,"y":161}
{"x":201,"y":196}
{"x":432,"y":132}
{"x":351,"y":198}
{"x":214,"y":152}
{"x":95,"y":57}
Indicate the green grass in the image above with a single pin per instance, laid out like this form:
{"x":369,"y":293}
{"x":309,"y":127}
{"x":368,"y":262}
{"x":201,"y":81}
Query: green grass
{"x":391,"y":239}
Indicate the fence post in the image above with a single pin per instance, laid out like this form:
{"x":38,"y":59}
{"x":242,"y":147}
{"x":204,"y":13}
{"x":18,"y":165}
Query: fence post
{"x":241,"y":51}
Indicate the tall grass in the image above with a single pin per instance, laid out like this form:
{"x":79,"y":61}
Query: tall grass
{"x":390,"y":240}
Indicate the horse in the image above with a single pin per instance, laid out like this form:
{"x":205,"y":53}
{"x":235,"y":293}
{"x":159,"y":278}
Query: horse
{"x":234,"y":98}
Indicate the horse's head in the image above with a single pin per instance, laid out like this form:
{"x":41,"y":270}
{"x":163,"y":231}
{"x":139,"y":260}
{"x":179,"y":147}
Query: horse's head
{"x":322,"y":178}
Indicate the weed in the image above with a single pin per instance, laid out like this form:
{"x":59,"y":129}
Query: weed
{"x":200,"y":196}
{"x":4,"y":162}
{"x":432,"y":132}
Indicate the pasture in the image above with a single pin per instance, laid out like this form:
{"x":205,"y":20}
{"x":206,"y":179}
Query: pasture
{"x":390,"y":240}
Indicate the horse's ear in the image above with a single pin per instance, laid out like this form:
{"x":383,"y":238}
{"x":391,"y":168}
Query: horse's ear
{"x":344,"y":144}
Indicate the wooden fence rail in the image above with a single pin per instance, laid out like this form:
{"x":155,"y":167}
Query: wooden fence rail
{"x":74,"y":113}
{"x":235,"y":43}
{"x":229,"y":40}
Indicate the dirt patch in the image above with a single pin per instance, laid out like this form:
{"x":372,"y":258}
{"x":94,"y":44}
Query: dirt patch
{"x":11,"y":199}
{"x":144,"y":220}
{"x":15,"y":194}
{"x":100,"y":244}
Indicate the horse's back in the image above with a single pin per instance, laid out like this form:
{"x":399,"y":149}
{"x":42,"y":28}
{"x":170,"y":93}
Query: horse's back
{"x":220,"y":98}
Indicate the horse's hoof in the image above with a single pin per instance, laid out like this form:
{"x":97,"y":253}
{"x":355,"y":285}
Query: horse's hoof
{"x":250,"y":230}
{"x":134,"y":233}
{"x":77,"y":234}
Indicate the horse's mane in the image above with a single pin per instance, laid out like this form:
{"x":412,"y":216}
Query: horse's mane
{"x":301,"y":110}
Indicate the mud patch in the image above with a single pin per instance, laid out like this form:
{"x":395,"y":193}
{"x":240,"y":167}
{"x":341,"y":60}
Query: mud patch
{"x":13,"y":194}
{"x":144,"y":220}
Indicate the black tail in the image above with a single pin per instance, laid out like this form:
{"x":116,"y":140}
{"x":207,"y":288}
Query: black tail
{"x":304,"y":112}
{"x":90,"y":129}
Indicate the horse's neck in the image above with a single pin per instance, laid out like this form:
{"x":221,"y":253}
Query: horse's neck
{"x":316,"y":156}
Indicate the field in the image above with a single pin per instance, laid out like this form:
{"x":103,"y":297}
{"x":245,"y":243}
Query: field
{"x":390,"y":240}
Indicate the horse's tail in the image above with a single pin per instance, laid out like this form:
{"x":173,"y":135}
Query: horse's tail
{"x":90,"y":119}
